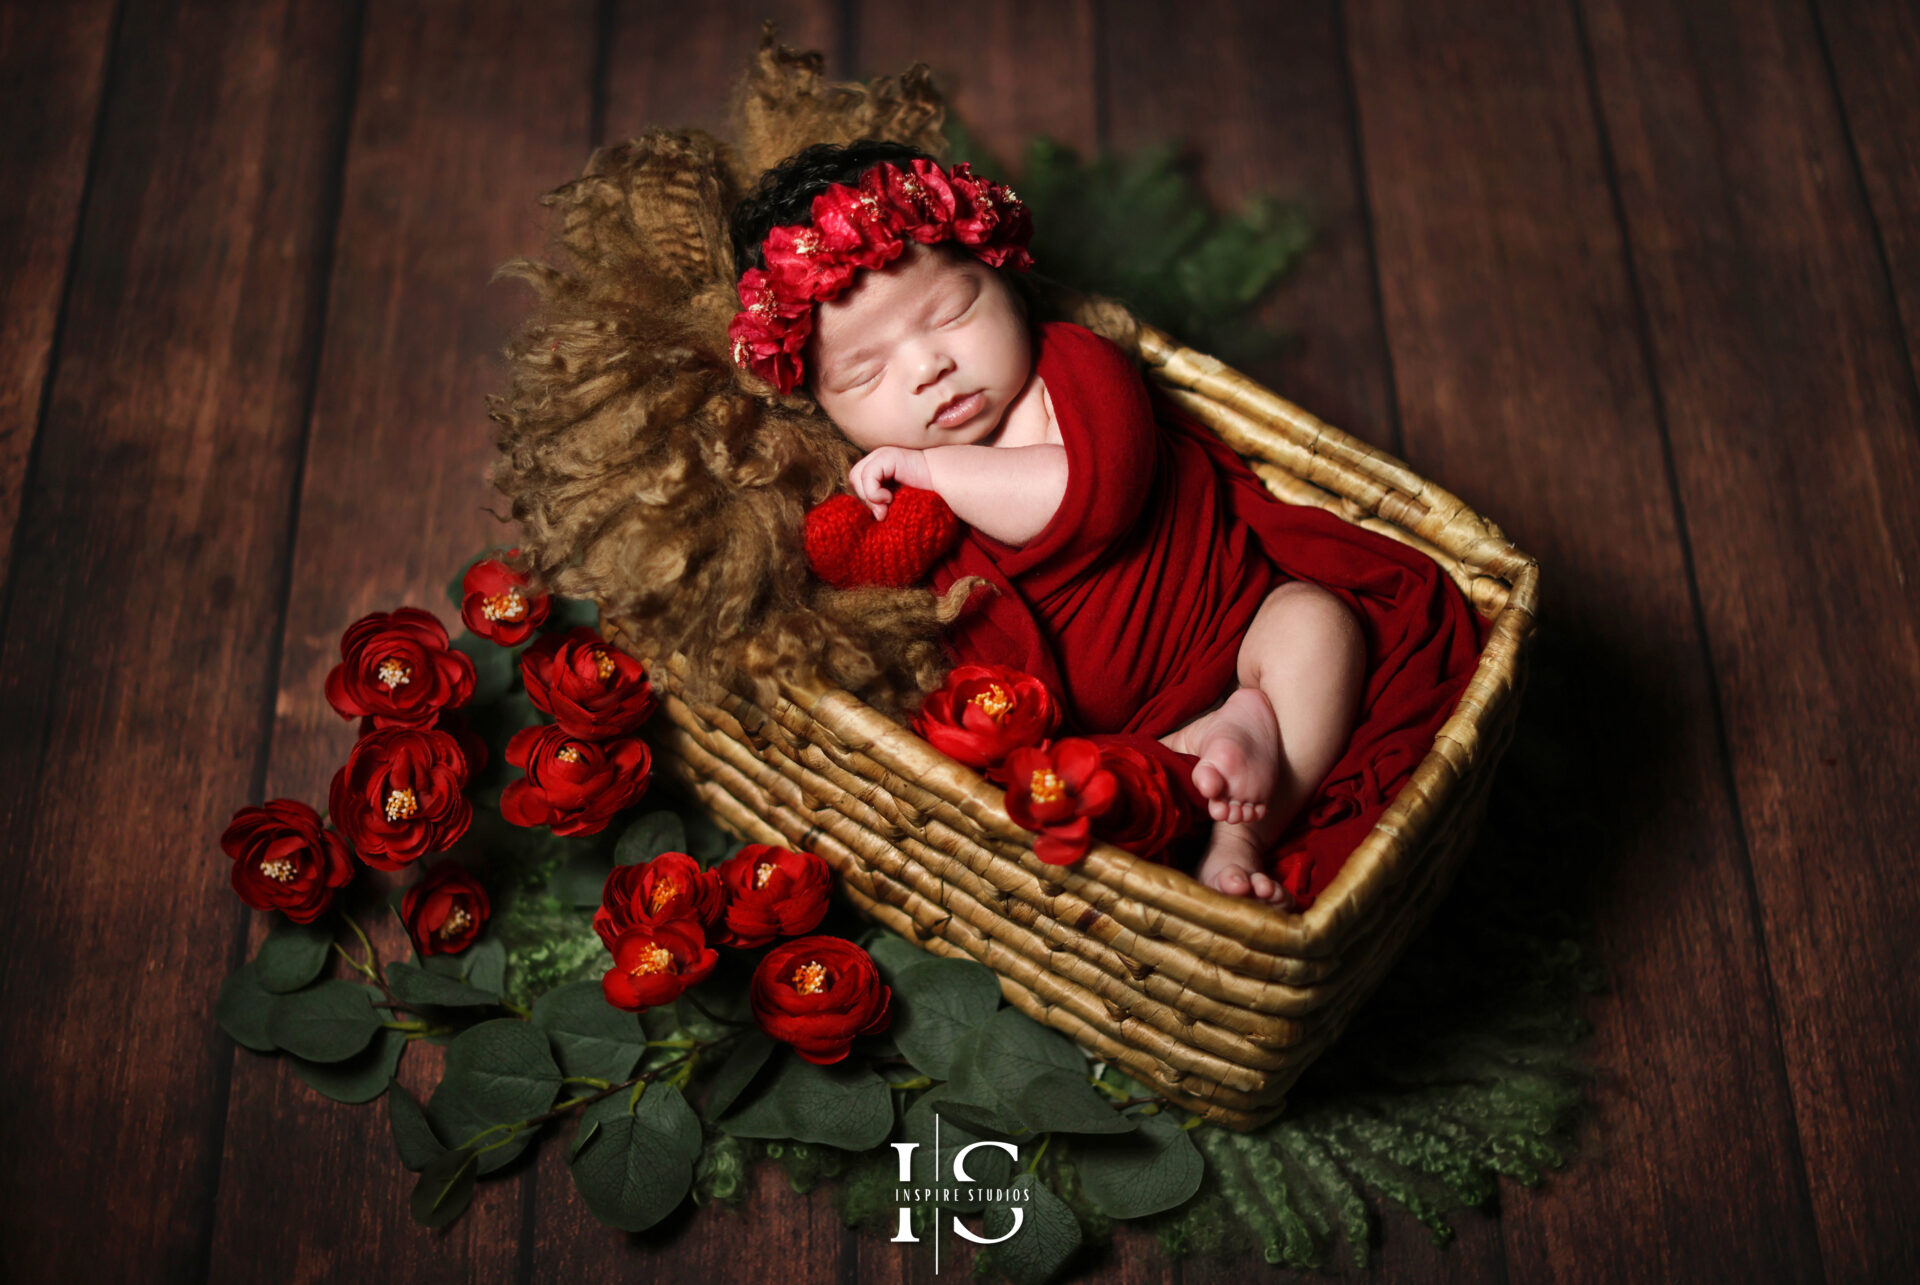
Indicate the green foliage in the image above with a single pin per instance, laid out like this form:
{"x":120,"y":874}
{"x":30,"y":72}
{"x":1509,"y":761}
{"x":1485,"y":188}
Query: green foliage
{"x":591,"y":1038}
{"x":244,"y":1008}
{"x":1139,"y":229}
{"x":1049,"y":1234}
{"x":634,"y":1162}
{"x":326,"y":1023}
{"x":445,"y":1188}
{"x":419,"y":987}
{"x":649,"y":835}
{"x":1152,"y":1169}
{"x":413,"y":1135}
{"x":360,"y":1078}
{"x":840,"y":1106}
{"x":935,"y":1002}
{"x":293,"y":954}
{"x":741,"y":1067}
{"x":498,"y":1074}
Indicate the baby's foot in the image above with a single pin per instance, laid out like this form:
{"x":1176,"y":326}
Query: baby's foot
{"x":1239,"y":748}
{"x":1233,"y":865}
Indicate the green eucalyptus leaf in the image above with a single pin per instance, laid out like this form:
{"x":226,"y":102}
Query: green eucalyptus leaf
{"x":326,"y":1023}
{"x":841,"y":1106}
{"x":245,"y":1008}
{"x":413,"y":1136}
{"x":498,"y":1073}
{"x":894,"y":955}
{"x":493,"y":668}
{"x":487,"y":966}
{"x":445,"y":1188}
{"x":935,"y":1002}
{"x":1012,"y":1050}
{"x":362,"y":1077}
{"x":417,"y":987}
{"x":971,"y":1097}
{"x":1057,"y":1101}
{"x":293,"y":955}
{"x":648,"y":837}
{"x":1155,"y":1168}
{"x":581,"y":880}
{"x":590,"y":1036}
{"x":743,"y":1065}
{"x":633,"y":1168}
{"x":572,"y":613}
{"x":706,"y":841}
{"x":1047,"y":1238}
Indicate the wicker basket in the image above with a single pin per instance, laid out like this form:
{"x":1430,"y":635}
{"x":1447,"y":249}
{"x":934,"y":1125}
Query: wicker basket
{"x":1218,"y":1001}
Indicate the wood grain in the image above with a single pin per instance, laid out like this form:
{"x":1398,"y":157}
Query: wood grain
{"x":1874,"y":61}
{"x":1791,"y":414}
{"x":1523,"y":386}
{"x":52,"y":63}
{"x":463,"y":117}
{"x":143,"y":613}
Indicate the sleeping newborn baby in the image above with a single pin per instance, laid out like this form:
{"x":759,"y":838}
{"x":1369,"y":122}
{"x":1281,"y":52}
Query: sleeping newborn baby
{"x":919,"y":349}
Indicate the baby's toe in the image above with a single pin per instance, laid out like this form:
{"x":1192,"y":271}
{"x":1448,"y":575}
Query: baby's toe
{"x":1211,"y":783}
{"x":1233,"y":881}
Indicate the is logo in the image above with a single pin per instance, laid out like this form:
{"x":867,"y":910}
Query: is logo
{"x":961,"y":1189}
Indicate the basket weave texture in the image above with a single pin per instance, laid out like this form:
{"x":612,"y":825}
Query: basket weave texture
{"x":1219,"y":1002}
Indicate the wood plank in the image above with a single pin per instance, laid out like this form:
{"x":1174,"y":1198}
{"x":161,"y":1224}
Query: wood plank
{"x":676,"y":69}
{"x":463,"y":117}
{"x":1523,"y":385}
{"x":1263,"y":105}
{"x":1791,"y":413}
{"x":1874,"y":53}
{"x":52,"y":62}
{"x":142,"y":619}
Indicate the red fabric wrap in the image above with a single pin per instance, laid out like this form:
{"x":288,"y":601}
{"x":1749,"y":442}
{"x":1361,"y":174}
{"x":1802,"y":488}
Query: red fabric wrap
{"x":1131,"y":604}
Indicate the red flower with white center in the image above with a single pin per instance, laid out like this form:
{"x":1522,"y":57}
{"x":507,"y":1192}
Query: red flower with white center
{"x":591,"y":688}
{"x":984,"y":713}
{"x":496,"y":605}
{"x":397,"y":669}
{"x":285,"y":859}
{"x":819,"y":994}
{"x":572,"y":785}
{"x":446,"y":910}
{"x":670,"y":886}
{"x":772,"y":892}
{"x":654,"y":963}
{"x":1058,"y":789}
{"x":401,"y":795}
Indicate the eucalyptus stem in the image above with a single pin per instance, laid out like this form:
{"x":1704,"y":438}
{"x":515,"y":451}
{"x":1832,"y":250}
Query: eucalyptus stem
{"x":1033,"y":1166}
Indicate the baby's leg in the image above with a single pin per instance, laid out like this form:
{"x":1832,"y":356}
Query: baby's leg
{"x":1302,"y":665}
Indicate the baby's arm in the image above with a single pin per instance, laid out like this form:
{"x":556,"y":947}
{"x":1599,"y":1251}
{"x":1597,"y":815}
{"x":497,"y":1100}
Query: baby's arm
{"x":1007,"y":492}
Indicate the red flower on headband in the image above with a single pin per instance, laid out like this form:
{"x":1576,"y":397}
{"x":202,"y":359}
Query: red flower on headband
{"x":865,"y":225}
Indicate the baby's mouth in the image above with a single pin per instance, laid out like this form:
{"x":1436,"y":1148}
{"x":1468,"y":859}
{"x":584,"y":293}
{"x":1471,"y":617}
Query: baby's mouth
{"x":958,"y":410}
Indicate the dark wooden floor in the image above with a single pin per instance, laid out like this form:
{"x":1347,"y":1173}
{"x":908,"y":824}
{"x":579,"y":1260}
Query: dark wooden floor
{"x":1640,"y":280}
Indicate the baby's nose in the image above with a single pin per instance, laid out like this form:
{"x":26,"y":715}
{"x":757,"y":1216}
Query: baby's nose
{"x":934,"y":364}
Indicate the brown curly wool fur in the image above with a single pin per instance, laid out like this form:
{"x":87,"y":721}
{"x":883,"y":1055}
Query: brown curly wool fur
{"x":645,"y":471}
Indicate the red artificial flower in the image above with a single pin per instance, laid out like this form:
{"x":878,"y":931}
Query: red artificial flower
{"x":819,"y":994}
{"x":575,"y":786}
{"x":670,"y":886}
{"x":400,"y":795}
{"x":397,"y":669}
{"x":772,"y":892}
{"x":653,"y":963}
{"x":495,"y":604}
{"x":984,"y":713}
{"x":446,"y":910}
{"x":285,"y":859}
{"x":591,"y":688}
{"x":454,"y":724}
{"x":1057,"y":790}
{"x":1149,"y":815}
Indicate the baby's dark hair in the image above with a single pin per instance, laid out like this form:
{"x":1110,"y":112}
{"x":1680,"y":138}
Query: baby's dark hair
{"x":785,"y":193}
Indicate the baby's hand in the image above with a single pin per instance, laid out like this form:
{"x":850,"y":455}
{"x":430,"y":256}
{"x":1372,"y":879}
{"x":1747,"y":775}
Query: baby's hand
{"x":897,"y":465}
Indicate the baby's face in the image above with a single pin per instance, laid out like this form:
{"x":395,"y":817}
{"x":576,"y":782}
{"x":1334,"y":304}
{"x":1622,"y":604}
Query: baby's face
{"x":929,"y":351}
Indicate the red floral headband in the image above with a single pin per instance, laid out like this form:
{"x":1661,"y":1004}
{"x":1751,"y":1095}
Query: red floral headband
{"x":866,"y":227}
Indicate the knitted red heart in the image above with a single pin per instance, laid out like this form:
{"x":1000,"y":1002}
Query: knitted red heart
{"x":846,"y":547}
